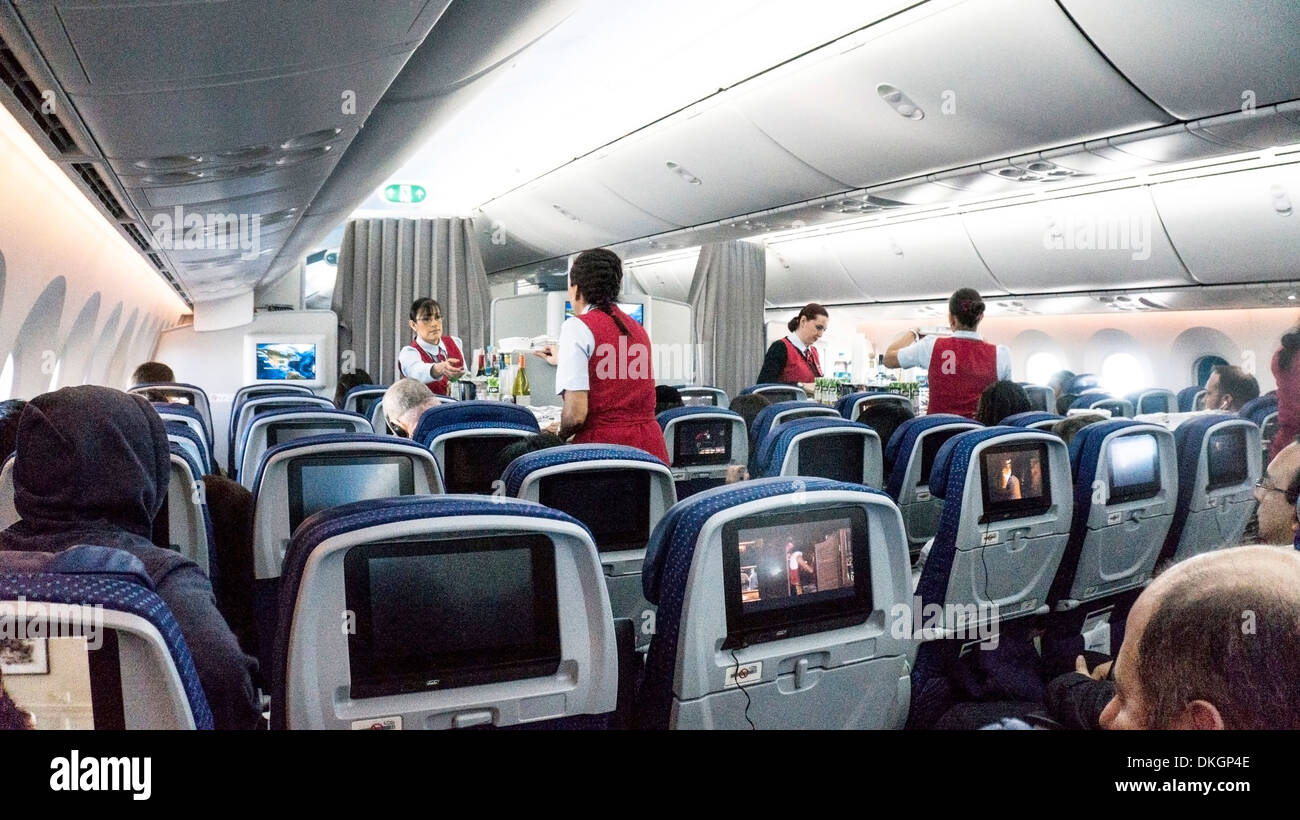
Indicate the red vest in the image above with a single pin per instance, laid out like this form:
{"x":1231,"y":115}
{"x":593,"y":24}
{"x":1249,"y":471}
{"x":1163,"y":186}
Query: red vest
{"x":799,"y":370}
{"x":440,"y":386}
{"x":960,"y":369}
{"x":621,"y":392}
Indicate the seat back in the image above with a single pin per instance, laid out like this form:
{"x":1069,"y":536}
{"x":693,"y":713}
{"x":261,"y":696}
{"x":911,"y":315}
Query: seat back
{"x":1104,"y":401}
{"x":191,"y":442}
{"x":276,"y":427}
{"x":1219,"y":461}
{"x":1190,"y":398}
{"x":243,"y":412}
{"x":1034,"y":419}
{"x":854,"y":403}
{"x":734,"y":645}
{"x":833,"y":448}
{"x":498,"y":607}
{"x":190,"y":416}
{"x":1084,"y":381}
{"x":110,"y":655}
{"x":1041,"y":398}
{"x":466,"y":437}
{"x":1153,"y":400}
{"x":581,"y":480}
{"x":776,"y":414}
{"x":702,"y":442}
{"x":703,"y":396}
{"x":189,"y":522}
{"x":192,"y":397}
{"x":361,"y":398}
{"x":776,"y":392}
{"x":1263,"y":411}
{"x":910,"y":452}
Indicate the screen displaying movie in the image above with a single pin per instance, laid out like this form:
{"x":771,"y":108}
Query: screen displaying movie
{"x":470,"y":464}
{"x":702,"y":442}
{"x":791,"y":573}
{"x":319,"y":482}
{"x":930,"y":445}
{"x":587,"y":497}
{"x":65,"y":678}
{"x":1015,"y":482}
{"x":837,"y":457}
{"x":1226,"y":458}
{"x":1134,"y":467}
{"x":486,"y":610}
{"x":285,"y":361}
{"x":278,"y":432}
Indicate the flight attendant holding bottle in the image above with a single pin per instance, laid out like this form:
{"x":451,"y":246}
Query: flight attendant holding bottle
{"x":431,"y":357}
{"x":603,"y":363}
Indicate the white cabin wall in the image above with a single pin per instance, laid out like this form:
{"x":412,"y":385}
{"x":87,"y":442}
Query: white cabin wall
{"x":1165,"y":343}
{"x":76,"y":300}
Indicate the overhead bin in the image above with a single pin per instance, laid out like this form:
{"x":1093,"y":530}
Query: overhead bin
{"x":925,"y":259}
{"x":807,"y":270}
{"x":1110,"y":240}
{"x":1198,"y":58}
{"x":667,"y":278}
{"x":705,"y":167}
{"x":992,"y":78}
{"x":1239,"y":227}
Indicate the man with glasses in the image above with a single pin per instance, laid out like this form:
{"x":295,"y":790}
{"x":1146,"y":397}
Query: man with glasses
{"x":1276,"y":493}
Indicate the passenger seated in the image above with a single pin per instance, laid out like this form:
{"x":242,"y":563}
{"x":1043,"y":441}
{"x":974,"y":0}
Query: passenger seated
{"x":1060,"y":382}
{"x":348,"y":381}
{"x":1180,"y":667}
{"x":150,"y":372}
{"x":1001,"y":399}
{"x":1276,"y":493}
{"x":1069,"y":426}
{"x":749,"y":405}
{"x":884,"y":417}
{"x":524,"y":446}
{"x":405,"y":402}
{"x":1229,"y":388}
{"x":667,"y":398}
{"x":1063,"y":402}
{"x":92,"y":468}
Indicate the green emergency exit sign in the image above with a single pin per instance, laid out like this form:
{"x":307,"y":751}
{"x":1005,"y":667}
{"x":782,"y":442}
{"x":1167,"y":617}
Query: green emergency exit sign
{"x":404,"y":194}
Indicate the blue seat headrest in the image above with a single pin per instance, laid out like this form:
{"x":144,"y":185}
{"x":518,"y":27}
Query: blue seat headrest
{"x":681,"y":412}
{"x":468,"y":412}
{"x":944,"y":459}
{"x":1030,"y":417}
{"x":522,"y":466}
{"x":82,"y":559}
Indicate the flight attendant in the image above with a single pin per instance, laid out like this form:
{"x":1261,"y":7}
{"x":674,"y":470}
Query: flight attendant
{"x":793,"y":360}
{"x":603,"y":363}
{"x":432,"y":357}
{"x":959,"y":366}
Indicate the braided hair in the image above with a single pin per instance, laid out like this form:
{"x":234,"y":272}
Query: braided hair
{"x":598,"y":276}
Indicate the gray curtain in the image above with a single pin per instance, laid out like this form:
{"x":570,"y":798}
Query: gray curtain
{"x":384,"y":265}
{"x":727,"y":295}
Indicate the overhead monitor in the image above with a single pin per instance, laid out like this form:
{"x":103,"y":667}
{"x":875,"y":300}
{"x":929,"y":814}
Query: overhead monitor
{"x":298,"y":359}
{"x":587,"y":496}
{"x":1134,"y":468}
{"x":322,"y":481}
{"x":486,"y":609}
{"x":1014,"y":481}
{"x":793,"y":573}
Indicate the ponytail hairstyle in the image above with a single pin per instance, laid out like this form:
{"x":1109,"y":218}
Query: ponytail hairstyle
{"x":598,"y":276}
{"x":967,"y":306}
{"x":810,"y":312}
{"x":1290,"y":344}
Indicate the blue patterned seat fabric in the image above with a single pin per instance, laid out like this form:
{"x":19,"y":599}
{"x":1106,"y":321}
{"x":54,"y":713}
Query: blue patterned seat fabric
{"x":776,"y":444}
{"x":903,"y":443}
{"x":521,"y":467}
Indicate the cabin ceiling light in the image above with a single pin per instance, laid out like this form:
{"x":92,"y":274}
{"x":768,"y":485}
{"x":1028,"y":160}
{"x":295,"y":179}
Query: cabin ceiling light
{"x":565,"y":213}
{"x":1281,"y":202}
{"x":311,"y":140}
{"x":900,"y":102}
{"x":172,"y":163}
{"x":686,"y":175}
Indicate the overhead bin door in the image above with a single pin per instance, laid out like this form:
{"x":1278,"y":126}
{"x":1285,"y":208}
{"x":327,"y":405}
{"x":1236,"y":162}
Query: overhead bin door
{"x":993,"y":78}
{"x":1197,"y":58}
{"x":1105,"y":241}
{"x":926,"y":259}
{"x":807,"y":270}
{"x":1240,"y":227}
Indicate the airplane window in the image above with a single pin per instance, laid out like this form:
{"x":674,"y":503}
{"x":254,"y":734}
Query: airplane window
{"x":7,"y":378}
{"x":1121,"y":374}
{"x":1204,"y":365}
{"x":54,"y":376}
{"x":1041,"y":366}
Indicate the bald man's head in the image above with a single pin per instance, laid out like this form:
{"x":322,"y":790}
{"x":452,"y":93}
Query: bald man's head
{"x":1214,"y":642}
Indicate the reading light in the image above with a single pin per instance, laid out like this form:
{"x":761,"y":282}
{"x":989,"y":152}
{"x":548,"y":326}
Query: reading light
{"x":683,"y":173}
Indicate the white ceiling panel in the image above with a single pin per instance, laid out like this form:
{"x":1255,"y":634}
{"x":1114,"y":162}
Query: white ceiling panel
{"x":1197,"y":58}
{"x":992,"y":78}
{"x":668,"y":278}
{"x":1239,"y":227}
{"x":808,"y":270}
{"x":1111,"y":240}
{"x":738,"y":170}
{"x":926,"y":259}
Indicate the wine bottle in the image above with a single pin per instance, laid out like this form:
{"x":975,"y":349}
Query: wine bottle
{"x":520,"y":389}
